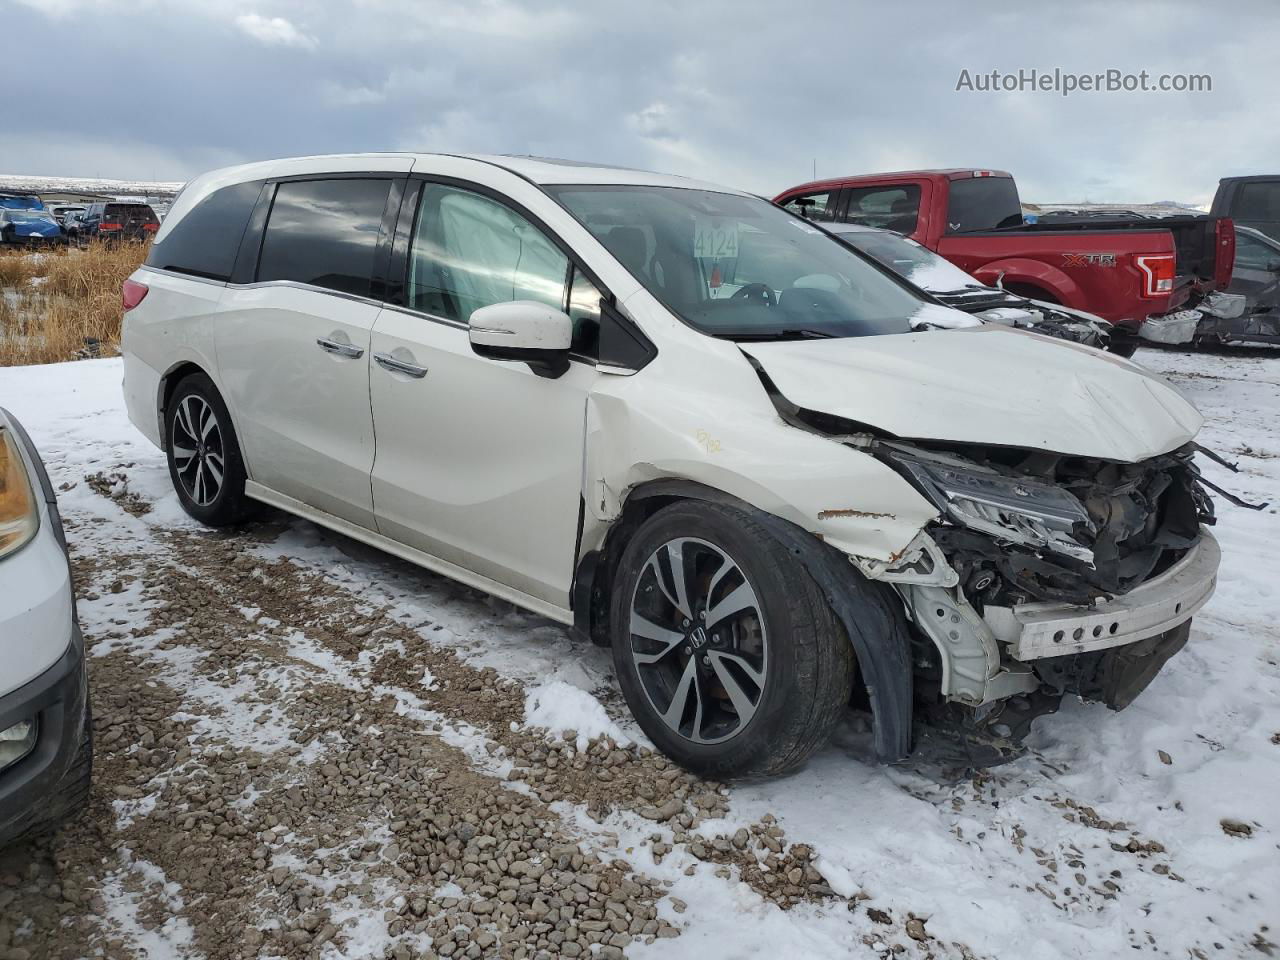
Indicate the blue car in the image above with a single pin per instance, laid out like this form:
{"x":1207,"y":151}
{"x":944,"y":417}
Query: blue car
{"x":30,"y":227}
{"x":20,"y":201}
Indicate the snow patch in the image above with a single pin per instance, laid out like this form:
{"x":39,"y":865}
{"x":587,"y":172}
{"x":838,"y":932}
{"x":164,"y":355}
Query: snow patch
{"x":563,"y":708}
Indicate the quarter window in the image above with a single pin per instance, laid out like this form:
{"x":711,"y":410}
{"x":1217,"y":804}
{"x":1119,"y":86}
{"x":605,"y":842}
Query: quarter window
{"x":325,"y":233}
{"x":584,"y":311}
{"x":470,"y":252}
{"x":204,"y":243}
{"x":812,"y":206}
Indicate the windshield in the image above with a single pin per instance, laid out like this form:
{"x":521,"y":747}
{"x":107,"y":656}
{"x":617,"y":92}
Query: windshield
{"x":24,"y":216}
{"x":908,"y":259}
{"x":739,"y":267}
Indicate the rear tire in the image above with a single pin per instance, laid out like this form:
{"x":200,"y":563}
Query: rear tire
{"x":205,"y":465}
{"x":780,"y":659}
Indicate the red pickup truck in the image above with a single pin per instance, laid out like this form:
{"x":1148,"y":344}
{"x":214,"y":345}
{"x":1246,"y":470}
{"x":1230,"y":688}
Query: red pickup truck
{"x":1124,"y":269}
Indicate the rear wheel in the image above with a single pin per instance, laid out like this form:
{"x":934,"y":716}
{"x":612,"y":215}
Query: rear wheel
{"x":725,"y":649}
{"x":204,"y":454}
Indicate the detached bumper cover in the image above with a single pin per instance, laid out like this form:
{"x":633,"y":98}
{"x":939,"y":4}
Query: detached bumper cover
{"x":1171,"y":328}
{"x":1036,"y":630}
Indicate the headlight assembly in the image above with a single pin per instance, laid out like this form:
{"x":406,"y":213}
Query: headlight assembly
{"x":18,"y":517}
{"x":1038,"y":515}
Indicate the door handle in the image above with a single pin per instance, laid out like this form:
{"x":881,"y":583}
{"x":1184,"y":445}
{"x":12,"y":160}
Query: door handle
{"x":388,"y":362}
{"x":341,"y":349}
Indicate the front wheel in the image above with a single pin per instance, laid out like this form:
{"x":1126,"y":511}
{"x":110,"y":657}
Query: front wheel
{"x":1123,"y":346}
{"x":726,"y":650}
{"x":204,"y":454}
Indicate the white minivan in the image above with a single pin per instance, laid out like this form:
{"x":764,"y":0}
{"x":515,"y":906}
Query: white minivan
{"x":779,"y":480}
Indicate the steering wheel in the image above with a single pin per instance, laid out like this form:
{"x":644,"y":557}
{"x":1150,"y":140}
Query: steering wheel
{"x":756,"y":293}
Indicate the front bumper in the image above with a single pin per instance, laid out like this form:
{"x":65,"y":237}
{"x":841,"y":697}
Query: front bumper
{"x":58,"y":702}
{"x":37,"y":613}
{"x":1035,"y":630}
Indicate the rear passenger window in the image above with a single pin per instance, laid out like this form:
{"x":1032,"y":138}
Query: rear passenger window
{"x":324,"y":233}
{"x":889,"y":208}
{"x":204,"y":242}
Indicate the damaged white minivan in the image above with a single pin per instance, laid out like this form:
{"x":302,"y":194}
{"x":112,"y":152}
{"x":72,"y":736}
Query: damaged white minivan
{"x":776,"y":478}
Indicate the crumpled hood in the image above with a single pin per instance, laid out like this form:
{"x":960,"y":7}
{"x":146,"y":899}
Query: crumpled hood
{"x":989,"y":385}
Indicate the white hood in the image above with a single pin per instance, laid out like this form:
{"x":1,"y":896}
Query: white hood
{"x":989,"y":385}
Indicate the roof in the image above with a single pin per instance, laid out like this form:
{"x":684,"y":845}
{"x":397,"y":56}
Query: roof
{"x":539,"y":170}
{"x":949,"y":173}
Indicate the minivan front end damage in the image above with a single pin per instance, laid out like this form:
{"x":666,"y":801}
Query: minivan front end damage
{"x":1047,"y":575}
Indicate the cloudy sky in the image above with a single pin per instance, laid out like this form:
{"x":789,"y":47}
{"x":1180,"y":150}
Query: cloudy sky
{"x":749,"y":93}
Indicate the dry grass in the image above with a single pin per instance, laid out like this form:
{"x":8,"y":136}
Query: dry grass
{"x":64,"y":305}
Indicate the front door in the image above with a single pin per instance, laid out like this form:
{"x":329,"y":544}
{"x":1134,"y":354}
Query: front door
{"x":479,"y":462}
{"x":293,"y":347}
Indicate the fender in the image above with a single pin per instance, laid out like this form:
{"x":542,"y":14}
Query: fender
{"x":878,"y":635}
{"x":169,"y":379}
{"x":1033,"y":273}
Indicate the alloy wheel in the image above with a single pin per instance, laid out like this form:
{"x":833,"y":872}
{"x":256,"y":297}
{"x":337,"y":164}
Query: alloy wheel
{"x":698,"y":640}
{"x":198,"y":453}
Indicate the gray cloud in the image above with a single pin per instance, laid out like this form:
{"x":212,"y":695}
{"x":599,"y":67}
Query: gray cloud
{"x":749,"y":93}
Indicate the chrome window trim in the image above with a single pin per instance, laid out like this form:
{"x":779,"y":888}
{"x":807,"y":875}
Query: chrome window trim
{"x":356,"y":298}
{"x":183,"y":276}
{"x":306,"y":287}
{"x":459,"y":325}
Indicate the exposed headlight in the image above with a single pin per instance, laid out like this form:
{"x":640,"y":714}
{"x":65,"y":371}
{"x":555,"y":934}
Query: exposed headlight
{"x":1025,"y":512}
{"x":16,"y":742}
{"x":18,"y":517}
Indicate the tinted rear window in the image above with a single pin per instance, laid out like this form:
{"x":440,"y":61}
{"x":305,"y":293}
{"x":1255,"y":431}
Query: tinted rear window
{"x":131,"y":211}
{"x":1258,"y":201}
{"x":325,"y":233}
{"x":204,"y":243}
{"x":983,"y":203}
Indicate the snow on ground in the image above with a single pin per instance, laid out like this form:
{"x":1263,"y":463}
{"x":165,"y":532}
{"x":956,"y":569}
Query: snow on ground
{"x":1154,"y":830}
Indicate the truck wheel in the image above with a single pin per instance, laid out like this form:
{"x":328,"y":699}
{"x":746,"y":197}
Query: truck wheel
{"x":204,"y":454}
{"x":726,"y":651}
{"x":1123,"y":346}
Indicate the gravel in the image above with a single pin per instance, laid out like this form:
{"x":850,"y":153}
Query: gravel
{"x":274,"y":780}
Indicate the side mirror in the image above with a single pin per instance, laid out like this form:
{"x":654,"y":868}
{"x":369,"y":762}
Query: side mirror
{"x":525,"y":331}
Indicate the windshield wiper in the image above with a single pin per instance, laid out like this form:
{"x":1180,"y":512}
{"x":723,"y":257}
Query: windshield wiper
{"x":790,"y":333}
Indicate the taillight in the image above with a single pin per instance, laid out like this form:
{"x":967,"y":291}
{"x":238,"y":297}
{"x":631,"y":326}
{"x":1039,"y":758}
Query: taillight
{"x":108,"y":226}
{"x":1158,"y":272}
{"x":132,"y":294}
{"x":1225,"y":263}
{"x":152,"y":227}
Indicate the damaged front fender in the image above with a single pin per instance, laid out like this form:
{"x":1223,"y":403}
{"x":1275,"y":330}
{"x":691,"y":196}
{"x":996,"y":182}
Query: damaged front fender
{"x":735,"y":442}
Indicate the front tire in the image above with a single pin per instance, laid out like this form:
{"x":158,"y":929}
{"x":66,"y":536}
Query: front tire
{"x":204,"y":454}
{"x":726,"y":650}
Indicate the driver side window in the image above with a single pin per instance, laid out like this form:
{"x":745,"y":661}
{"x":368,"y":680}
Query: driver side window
{"x":1252,"y":254}
{"x":470,"y":252}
